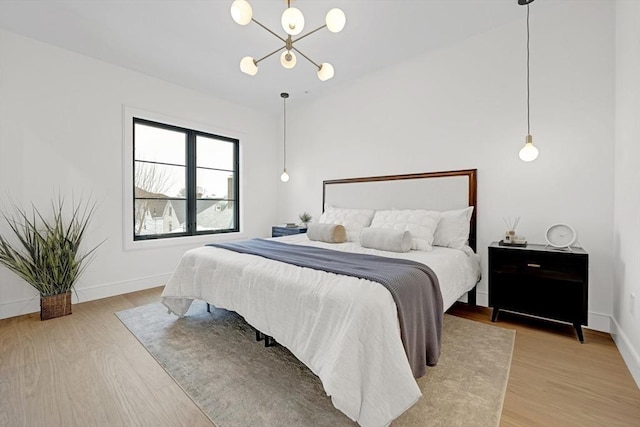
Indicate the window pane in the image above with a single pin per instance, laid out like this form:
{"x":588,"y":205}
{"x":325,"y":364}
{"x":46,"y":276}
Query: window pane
{"x":159,"y":181}
{"x":214,"y":153}
{"x":159,"y":145}
{"x":215,"y":215}
{"x":213,"y":184}
{"x":159,"y":216}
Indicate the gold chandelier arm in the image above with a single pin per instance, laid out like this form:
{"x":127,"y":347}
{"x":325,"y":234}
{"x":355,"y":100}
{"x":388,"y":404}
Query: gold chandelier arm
{"x":305,"y":57}
{"x":275,"y":34}
{"x":309,"y":33}
{"x":270,"y":54}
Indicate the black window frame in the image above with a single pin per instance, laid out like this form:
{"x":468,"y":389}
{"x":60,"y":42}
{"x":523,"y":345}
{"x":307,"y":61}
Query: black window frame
{"x":191,"y":187}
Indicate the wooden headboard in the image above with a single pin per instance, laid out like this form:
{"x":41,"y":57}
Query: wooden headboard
{"x":430,"y":190}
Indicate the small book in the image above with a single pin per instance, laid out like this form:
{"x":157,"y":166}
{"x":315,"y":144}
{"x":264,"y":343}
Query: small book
{"x":516,"y":245}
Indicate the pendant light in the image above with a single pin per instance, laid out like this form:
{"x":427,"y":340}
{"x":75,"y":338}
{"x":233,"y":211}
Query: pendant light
{"x":529,"y":152}
{"x":292,"y":21}
{"x":285,"y":176}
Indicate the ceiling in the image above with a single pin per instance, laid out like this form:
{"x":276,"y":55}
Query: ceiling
{"x":196,"y":44}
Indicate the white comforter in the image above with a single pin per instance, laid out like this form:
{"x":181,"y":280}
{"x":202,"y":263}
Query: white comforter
{"x":343,"y":328}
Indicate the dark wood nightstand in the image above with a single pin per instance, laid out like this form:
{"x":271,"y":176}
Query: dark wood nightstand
{"x":540,"y":281}
{"x":279,"y":231}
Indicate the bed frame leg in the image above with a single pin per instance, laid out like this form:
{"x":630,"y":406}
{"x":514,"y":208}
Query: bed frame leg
{"x":471,"y":297}
{"x":208,"y":308}
{"x":268,"y":341}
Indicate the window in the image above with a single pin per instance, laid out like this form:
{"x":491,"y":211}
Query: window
{"x":185,"y":182}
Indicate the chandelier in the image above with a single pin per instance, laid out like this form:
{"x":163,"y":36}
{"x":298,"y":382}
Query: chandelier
{"x":293,"y":23}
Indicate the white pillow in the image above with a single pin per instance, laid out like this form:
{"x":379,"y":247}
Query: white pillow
{"x":453,"y":228}
{"x":420,"y":223}
{"x":353,"y":220}
{"x":328,"y":233}
{"x":386,"y":239}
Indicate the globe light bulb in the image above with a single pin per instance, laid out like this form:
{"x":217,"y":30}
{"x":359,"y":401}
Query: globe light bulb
{"x":285,"y":176}
{"x":292,"y":21}
{"x":288,"y":59}
{"x":335,"y":20}
{"x":529,"y":152}
{"x":241,"y":12}
{"x":248,"y":66}
{"x":325,"y":72}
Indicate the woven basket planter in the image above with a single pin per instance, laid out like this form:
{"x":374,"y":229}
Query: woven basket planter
{"x":55,"y":306}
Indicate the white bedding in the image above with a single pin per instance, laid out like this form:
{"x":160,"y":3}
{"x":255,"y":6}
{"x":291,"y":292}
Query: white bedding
{"x":343,"y":328}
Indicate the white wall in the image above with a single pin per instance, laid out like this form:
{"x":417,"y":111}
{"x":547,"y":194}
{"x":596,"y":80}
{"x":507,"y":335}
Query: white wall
{"x":61,"y":130}
{"x":465,"y":107}
{"x":626,"y":225}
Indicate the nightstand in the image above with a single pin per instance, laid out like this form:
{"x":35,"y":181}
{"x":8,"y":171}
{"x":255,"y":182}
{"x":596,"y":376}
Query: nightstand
{"x":540,"y":281}
{"x":279,"y":231}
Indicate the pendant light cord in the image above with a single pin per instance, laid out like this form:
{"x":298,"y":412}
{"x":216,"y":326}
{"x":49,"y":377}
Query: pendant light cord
{"x":284,"y":98}
{"x":528,"y":102}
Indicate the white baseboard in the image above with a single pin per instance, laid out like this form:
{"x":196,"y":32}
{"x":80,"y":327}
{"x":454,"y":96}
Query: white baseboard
{"x":482,"y":298}
{"x":599,"y":322}
{"x":119,"y":288}
{"x":32,"y":305}
{"x":20,"y":307}
{"x":629,"y":354}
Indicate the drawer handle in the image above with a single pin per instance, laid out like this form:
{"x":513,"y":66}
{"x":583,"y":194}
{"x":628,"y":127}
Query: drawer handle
{"x":533,"y":265}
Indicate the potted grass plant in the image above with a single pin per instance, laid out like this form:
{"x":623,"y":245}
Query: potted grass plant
{"x":45,"y":252}
{"x":305,"y":218}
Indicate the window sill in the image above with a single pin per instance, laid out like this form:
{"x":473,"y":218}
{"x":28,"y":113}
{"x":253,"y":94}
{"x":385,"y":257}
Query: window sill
{"x":193,"y":241}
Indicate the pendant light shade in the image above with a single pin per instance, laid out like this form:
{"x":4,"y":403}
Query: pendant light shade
{"x":292,"y":21}
{"x":248,"y":66}
{"x":529,"y":152}
{"x":335,"y":20}
{"x":325,"y":72}
{"x":241,"y":12}
{"x":284,"y":177}
{"x":288,"y":59}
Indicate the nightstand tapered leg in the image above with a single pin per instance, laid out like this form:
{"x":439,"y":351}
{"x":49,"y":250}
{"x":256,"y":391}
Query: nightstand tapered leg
{"x":494,"y":315}
{"x":578,"y":327}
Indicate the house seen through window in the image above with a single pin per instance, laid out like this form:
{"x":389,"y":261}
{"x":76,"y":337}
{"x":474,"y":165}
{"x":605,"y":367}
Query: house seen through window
{"x":185,"y":181}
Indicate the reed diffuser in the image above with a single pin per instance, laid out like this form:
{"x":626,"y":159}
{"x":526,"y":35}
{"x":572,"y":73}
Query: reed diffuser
{"x":510,"y":234}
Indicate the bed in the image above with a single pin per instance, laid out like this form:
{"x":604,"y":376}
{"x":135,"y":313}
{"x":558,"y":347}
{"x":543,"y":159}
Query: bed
{"x":344,"y":328}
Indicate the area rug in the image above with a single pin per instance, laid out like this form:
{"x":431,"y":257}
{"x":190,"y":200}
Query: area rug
{"x":237,"y":382}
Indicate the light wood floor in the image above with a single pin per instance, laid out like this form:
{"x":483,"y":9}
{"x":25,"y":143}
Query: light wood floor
{"x":88,"y":370}
{"x":556,"y":381}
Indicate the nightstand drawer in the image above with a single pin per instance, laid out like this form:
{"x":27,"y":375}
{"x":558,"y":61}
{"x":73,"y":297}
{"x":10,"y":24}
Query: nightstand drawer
{"x":557,"y":265}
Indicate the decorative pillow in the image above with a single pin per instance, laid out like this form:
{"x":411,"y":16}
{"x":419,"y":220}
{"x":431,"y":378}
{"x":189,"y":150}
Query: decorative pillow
{"x":386,"y":239}
{"x":329,"y":233}
{"x":353,"y":220}
{"x":453,"y":229}
{"x":420,"y":223}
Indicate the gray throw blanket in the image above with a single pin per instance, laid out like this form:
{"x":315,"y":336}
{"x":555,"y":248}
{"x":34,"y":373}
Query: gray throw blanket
{"x":414,"y":287}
